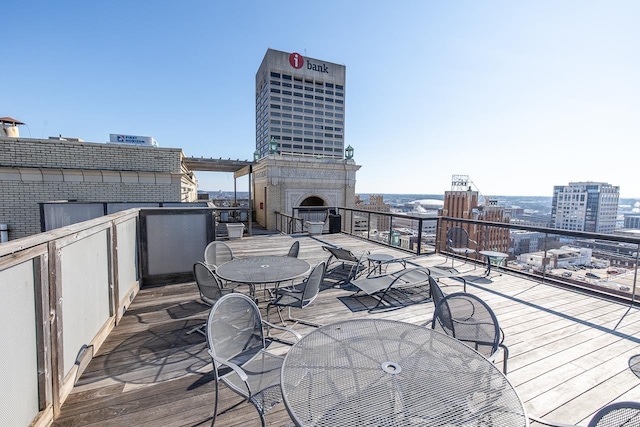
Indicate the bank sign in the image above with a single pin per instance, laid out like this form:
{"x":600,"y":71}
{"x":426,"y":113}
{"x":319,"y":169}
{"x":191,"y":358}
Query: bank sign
{"x":297,"y":61}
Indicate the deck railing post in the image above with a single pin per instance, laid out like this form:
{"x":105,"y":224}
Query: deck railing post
{"x":635,"y":275}
{"x":419,"y":246}
{"x":544,"y":257}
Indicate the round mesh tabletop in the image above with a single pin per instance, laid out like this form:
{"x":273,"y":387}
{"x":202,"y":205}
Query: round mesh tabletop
{"x":262,"y":269}
{"x":376,"y":372}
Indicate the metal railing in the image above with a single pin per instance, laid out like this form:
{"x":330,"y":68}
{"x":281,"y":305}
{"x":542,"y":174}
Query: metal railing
{"x":419,"y":235}
{"x":289,"y":224}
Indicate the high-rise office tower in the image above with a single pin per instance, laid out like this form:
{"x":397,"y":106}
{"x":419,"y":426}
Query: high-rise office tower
{"x":300,"y":106}
{"x":585,"y":206}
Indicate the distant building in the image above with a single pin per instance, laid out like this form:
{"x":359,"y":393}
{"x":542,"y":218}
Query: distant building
{"x":632,"y":220}
{"x":585,"y":206}
{"x":493,"y":238}
{"x":523,"y":242}
{"x":300,"y":105}
{"x":376,"y":204}
{"x":464,"y":204}
{"x":557,"y":258}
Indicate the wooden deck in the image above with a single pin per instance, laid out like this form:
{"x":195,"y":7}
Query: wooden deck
{"x":570,"y":352}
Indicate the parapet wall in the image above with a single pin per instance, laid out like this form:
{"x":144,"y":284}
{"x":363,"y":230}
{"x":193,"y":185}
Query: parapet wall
{"x":34,"y":171}
{"x":45,"y":153}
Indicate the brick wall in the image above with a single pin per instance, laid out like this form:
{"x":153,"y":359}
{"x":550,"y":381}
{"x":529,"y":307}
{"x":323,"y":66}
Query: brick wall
{"x":34,"y":171}
{"x":44,"y":153}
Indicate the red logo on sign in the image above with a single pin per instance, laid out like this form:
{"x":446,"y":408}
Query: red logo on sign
{"x":296,"y":60}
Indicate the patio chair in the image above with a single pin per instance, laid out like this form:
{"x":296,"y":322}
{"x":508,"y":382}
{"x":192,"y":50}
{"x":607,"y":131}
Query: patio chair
{"x":294,"y":249}
{"x":618,"y":414}
{"x":217,"y":253}
{"x":343,"y":257}
{"x":210,"y":288}
{"x":436,"y":293}
{"x":469,"y":319}
{"x":379,"y":286}
{"x":237,"y":347}
{"x":299,"y":296}
{"x":458,"y":242}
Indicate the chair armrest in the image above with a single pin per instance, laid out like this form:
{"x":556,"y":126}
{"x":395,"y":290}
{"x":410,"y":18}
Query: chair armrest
{"x":237,"y":369}
{"x":282,"y":328}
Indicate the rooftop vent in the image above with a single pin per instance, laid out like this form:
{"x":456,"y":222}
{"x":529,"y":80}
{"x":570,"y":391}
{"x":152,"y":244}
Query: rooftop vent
{"x":10,"y":127}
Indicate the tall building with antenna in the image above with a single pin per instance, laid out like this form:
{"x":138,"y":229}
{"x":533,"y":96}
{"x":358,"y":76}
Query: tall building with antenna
{"x":465,"y":201}
{"x":300,"y":106}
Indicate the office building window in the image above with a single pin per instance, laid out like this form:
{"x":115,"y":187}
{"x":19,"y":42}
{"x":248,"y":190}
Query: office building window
{"x":276,"y":75}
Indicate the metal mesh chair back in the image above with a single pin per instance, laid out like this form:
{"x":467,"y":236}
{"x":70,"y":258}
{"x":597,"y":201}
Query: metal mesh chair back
{"x":234,"y":328}
{"x":209,"y":285}
{"x":294,"y":249}
{"x":217,"y":253}
{"x":457,"y":237}
{"x":617,"y":414}
{"x":436,"y":293}
{"x":470,"y":320}
{"x":312,"y":286}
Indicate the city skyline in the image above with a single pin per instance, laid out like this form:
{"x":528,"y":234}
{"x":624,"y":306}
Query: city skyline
{"x":520,"y":97}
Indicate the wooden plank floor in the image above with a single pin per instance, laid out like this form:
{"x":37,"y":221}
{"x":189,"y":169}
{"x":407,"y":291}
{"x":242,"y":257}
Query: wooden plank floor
{"x":569,"y":352}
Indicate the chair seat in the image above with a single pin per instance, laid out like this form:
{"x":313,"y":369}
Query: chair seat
{"x":263,"y":372}
{"x":210,"y":301}
{"x":378,"y":286}
{"x":291,"y":298}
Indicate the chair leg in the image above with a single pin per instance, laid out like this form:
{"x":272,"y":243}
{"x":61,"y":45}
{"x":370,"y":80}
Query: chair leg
{"x":296,"y":320}
{"x":280,"y":316}
{"x":215,"y":405}
{"x":198,"y":329}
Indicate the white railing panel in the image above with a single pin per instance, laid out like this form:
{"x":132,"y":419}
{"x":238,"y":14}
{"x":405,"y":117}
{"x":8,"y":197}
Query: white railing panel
{"x":175,"y":242}
{"x":127,"y":257}
{"x":85,"y":293}
{"x":18,"y":358}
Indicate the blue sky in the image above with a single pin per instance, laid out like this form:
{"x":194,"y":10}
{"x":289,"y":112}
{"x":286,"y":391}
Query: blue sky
{"x":519,"y":95}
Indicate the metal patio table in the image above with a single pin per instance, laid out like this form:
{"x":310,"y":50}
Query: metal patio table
{"x":497,"y":257}
{"x":262,"y":270}
{"x":375,"y":372}
{"x":376,"y":261}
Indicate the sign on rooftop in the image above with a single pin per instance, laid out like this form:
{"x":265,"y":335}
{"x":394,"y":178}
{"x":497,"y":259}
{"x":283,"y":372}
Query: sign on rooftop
{"x":118,"y":138}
